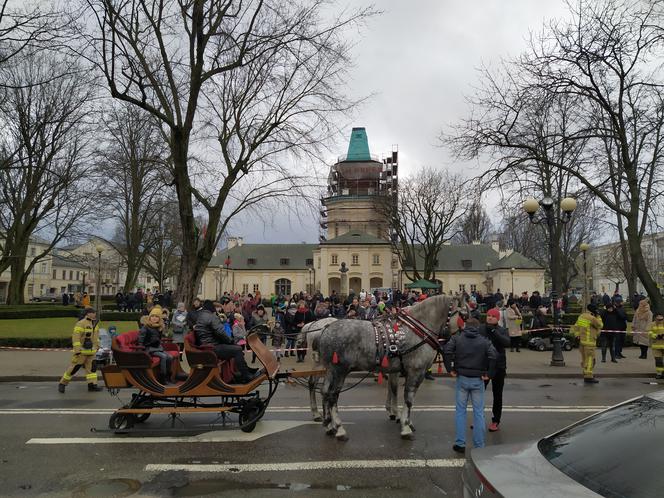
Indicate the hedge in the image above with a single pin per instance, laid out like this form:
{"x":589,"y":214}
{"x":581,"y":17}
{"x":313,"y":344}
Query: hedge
{"x":36,"y":342}
{"x":64,"y":312}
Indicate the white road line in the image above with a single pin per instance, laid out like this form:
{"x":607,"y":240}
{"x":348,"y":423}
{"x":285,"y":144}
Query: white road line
{"x":305,"y":409}
{"x":299,"y":466}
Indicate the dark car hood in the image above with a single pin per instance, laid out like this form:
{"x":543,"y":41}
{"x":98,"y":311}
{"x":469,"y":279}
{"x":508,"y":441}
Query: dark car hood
{"x":520,"y":471}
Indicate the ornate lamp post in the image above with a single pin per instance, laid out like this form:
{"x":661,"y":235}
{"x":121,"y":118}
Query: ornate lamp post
{"x":311,"y":285}
{"x":488,"y":276}
{"x":584,"y":249}
{"x":100,"y":249}
{"x":549,"y":218}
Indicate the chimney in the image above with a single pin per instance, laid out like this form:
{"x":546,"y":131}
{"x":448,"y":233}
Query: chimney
{"x":476,"y":242}
{"x":232,"y":242}
{"x":240,"y":241}
{"x":495,"y":245}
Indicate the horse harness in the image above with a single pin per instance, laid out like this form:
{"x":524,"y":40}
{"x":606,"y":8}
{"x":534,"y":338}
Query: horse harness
{"x":389,"y":334}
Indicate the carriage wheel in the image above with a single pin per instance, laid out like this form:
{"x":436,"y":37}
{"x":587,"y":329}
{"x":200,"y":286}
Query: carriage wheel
{"x":142,"y":417}
{"x":121,"y":422}
{"x":250,"y":414}
{"x":541,"y":347}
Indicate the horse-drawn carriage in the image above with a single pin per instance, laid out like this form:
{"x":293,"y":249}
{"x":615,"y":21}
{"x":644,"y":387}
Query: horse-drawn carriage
{"x":209,"y":387}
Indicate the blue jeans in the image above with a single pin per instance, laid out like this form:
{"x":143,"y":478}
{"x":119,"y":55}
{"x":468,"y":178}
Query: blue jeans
{"x":473,"y":388}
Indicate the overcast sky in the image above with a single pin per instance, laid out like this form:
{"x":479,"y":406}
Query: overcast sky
{"x":420,"y":59}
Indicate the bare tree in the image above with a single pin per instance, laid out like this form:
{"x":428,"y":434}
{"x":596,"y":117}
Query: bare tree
{"x":130,"y":168}
{"x":430,"y":206}
{"x":475,"y":226}
{"x":262,"y":77}
{"x":599,"y":66}
{"x":42,"y":177}
{"x":162,"y":259}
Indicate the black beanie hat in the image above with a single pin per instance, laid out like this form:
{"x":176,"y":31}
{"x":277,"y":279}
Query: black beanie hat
{"x":209,"y":305}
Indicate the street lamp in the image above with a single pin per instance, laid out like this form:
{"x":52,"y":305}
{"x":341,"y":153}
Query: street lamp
{"x":549,"y":218}
{"x":584,"y":249}
{"x":310,"y":270}
{"x":100,"y":249}
{"x":512,"y":272}
{"x":488,"y":270}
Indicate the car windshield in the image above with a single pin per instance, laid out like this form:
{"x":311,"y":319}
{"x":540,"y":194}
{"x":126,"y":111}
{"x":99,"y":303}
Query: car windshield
{"x":617,"y":454}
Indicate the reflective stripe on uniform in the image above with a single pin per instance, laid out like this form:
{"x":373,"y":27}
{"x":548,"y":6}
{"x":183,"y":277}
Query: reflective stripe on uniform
{"x":66,"y":376}
{"x":76,"y":344}
{"x":92,"y":376}
{"x":87,"y":352}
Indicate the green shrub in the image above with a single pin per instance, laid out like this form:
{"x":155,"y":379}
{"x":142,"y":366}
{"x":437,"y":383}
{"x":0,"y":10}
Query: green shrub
{"x":36,"y":342}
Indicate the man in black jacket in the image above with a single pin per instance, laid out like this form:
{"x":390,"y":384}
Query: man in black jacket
{"x":192,"y":315}
{"x":500,"y":339}
{"x":612,"y":321}
{"x":210,"y":331}
{"x":619,"y":340}
{"x":471,"y":359}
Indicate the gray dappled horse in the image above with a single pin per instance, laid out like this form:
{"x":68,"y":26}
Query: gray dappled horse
{"x":350,"y":345}
{"x":308,"y":337}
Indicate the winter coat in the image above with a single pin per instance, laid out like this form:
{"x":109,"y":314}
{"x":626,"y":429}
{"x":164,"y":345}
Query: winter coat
{"x":513,"y":327}
{"x":500,"y":339}
{"x":179,"y":324}
{"x":150,"y":338}
{"x":470,"y":354}
{"x":209,"y":329}
{"x":642,"y":323}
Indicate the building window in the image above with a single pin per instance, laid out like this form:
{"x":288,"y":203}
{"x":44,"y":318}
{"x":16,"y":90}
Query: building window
{"x":462,"y":287}
{"x":55,"y":274}
{"x":251,"y":261}
{"x":334,"y":260}
{"x":376,"y":259}
{"x":309,"y":262}
{"x":148,"y":280}
{"x":71,"y":274}
{"x":282,"y":287}
{"x":33,"y":251}
{"x":336,"y":231}
{"x":318,"y":262}
{"x":473,"y":287}
{"x":78,"y":276}
{"x":64,"y":274}
{"x":255,"y":289}
{"x":284,"y":261}
{"x":31,"y":289}
{"x":395,"y":263}
{"x":355,"y":259}
{"x":245,"y":288}
{"x":467,"y":263}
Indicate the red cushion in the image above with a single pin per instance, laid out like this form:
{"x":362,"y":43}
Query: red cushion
{"x":174,"y":354}
{"x":128,"y":340}
{"x":154,"y":360}
{"x":190,"y":338}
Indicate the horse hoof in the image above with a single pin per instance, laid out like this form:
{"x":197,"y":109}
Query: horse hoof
{"x":392,"y":417}
{"x":318,"y":419}
{"x":341,"y":434}
{"x":408,"y":436}
{"x":331,"y":432}
{"x":343,"y":438}
{"x":412,"y":427}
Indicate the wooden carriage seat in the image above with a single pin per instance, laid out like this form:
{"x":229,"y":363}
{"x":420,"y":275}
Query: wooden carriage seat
{"x":128,"y":343}
{"x":227,"y":367}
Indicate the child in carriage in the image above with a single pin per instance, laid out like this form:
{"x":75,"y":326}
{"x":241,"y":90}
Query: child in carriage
{"x":150,"y":338}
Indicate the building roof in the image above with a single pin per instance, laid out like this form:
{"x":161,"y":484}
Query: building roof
{"x":358,"y":146}
{"x":62,"y":262}
{"x":518,"y":261}
{"x":474,"y":257}
{"x":355,"y":238}
{"x":266,"y":257}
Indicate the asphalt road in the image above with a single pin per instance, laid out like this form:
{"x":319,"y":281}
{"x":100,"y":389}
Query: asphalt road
{"x":41,"y":450}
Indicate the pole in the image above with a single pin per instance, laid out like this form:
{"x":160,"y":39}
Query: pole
{"x":585,"y":280}
{"x":557,"y":359}
{"x":98,"y":300}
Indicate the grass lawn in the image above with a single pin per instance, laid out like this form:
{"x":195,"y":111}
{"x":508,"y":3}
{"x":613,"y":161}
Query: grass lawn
{"x":50,"y":327}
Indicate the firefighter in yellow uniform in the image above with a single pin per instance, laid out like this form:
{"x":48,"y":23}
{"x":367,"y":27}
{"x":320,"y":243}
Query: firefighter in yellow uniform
{"x":85,"y":341}
{"x":587,"y":329}
{"x":657,"y":344}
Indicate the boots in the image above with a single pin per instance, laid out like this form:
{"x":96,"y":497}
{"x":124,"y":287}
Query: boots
{"x":591,"y":380}
{"x":61,"y":388}
{"x":93,"y":388}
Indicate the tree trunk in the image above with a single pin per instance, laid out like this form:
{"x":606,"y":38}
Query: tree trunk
{"x":17,"y":281}
{"x":132,"y":276}
{"x":640,"y":267}
{"x":629,"y":271}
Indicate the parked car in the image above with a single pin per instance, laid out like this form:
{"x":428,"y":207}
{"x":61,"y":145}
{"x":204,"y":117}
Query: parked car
{"x":48,"y":296}
{"x":546,"y":344}
{"x":615,"y":453}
